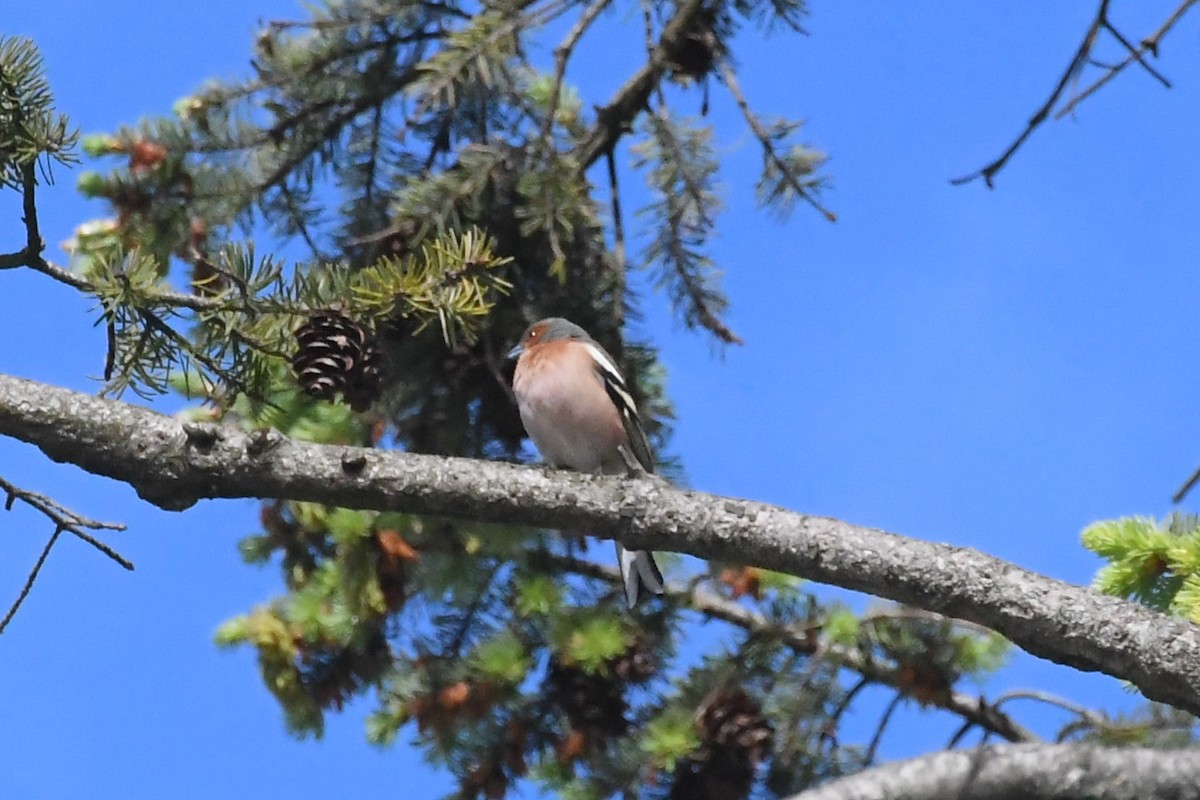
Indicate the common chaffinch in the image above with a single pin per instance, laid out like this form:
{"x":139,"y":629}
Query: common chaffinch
{"x":578,"y":412}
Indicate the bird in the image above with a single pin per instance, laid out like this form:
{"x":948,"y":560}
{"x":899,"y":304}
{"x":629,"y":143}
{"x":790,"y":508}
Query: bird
{"x":579,"y":413}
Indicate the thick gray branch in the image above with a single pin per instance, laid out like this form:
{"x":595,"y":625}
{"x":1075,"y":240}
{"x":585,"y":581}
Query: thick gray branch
{"x":1027,"y":771}
{"x":173,"y":465}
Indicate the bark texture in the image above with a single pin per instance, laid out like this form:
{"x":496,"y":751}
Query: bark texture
{"x":174,"y":464}
{"x":1026,"y":772}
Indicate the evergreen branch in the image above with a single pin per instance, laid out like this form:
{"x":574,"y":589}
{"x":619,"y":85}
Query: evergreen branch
{"x":174,"y":464}
{"x":470,"y":56}
{"x":975,"y":710}
{"x":29,"y":581}
{"x":287,"y":78}
{"x":65,"y":520}
{"x":616,"y":118}
{"x":562,"y":55}
{"x":332,"y":128}
{"x":683,"y":172}
{"x":158,"y":297}
{"x":786,"y":171}
{"x":1061,"y":771}
{"x":385,"y":13}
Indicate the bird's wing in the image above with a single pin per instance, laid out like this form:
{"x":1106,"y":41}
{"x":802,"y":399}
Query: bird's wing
{"x":614,"y":385}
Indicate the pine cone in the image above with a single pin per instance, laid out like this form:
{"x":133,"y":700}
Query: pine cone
{"x":594,"y":703}
{"x":735,"y":737}
{"x":637,"y":664}
{"x":336,"y":354}
{"x":733,"y":719}
{"x":695,"y":54}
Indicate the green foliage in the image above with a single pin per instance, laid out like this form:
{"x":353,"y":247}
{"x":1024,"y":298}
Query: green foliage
{"x":1155,"y":563}
{"x":842,"y":626}
{"x":591,"y":640}
{"x":451,"y":282}
{"x":789,"y":171}
{"x":501,"y":659}
{"x":246,"y":310}
{"x":471,"y":58}
{"x":539,"y":595}
{"x":682,"y":173}
{"x":29,"y":126}
{"x":670,"y":737}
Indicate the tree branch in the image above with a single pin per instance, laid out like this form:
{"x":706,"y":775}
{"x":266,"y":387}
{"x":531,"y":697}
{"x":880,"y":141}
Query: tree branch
{"x":764,"y":138}
{"x":1083,"y":57}
{"x":1147,"y":45}
{"x":614,"y":119}
{"x":975,"y":710}
{"x":1077,"y":63}
{"x":65,"y":520}
{"x":1062,"y":772}
{"x":173,"y":464}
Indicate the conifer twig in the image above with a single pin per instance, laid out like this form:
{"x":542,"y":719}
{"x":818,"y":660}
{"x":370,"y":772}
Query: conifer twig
{"x":29,"y":581}
{"x":1187,"y":486}
{"x":65,"y":520}
{"x":562,"y":54}
{"x":1081,"y":58}
{"x":616,"y":117}
{"x":1082,"y":53}
{"x":1147,"y":45}
{"x":873,"y":747}
{"x":769,"y":152}
{"x":618,"y":302}
{"x":1093,"y":719}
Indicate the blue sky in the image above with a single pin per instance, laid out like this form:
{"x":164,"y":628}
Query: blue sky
{"x":993,"y":369}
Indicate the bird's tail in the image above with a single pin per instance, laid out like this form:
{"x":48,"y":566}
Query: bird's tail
{"x":637,"y":570}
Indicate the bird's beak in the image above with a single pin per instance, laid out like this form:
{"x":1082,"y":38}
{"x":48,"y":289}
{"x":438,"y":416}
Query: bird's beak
{"x":514,"y":353}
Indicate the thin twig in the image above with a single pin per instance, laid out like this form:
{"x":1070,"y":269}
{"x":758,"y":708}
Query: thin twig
{"x":959,"y":734}
{"x":907,"y":613}
{"x":65,"y":520}
{"x":1083,"y":57}
{"x":1077,"y":63}
{"x":615,"y":119}
{"x":1148,"y":45}
{"x":562,"y":54}
{"x":33,"y":573}
{"x":873,"y":747}
{"x":1136,"y":55}
{"x":1087,"y":715}
{"x":1187,"y":487}
{"x":33,"y":237}
{"x":618,"y":243}
{"x":830,"y":731}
